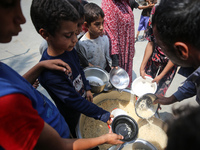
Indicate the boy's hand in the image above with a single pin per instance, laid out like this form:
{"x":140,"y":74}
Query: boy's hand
{"x":110,"y":120}
{"x":36,"y":84}
{"x":56,"y":64}
{"x":112,"y":138}
{"x":165,"y":100}
{"x":89,"y":96}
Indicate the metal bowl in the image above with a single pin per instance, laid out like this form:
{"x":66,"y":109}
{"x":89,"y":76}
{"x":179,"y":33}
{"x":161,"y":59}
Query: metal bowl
{"x":119,"y":78}
{"x":144,"y":106}
{"x":140,"y":144}
{"x":126,"y":126}
{"x":97,"y":77}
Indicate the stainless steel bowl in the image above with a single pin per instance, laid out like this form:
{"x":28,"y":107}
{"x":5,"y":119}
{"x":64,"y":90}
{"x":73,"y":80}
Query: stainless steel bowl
{"x":97,"y":77}
{"x":137,"y":144}
{"x":140,"y":144}
{"x":119,"y":78}
{"x":144,"y":106}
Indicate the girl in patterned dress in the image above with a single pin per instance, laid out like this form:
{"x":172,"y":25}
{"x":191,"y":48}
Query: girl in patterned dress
{"x":155,"y":64}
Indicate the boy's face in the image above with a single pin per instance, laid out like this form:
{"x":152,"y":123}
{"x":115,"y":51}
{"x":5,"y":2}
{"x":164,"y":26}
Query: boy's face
{"x":65,"y":37}
{"x":171,"y":52}
{"x":96,"y":27}
{"x":11,"y":18}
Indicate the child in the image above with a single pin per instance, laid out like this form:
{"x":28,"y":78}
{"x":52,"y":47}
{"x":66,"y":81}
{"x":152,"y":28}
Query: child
{"x":144,"y":18}
{"x":57,"y":24}
{"x":156,"y":64}
{"x":78,"y":6}
{"x":93,"y":44}
{"x":28,"y":119}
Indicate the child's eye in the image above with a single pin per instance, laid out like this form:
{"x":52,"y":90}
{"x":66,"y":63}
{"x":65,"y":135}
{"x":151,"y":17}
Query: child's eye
{"x":97,"y":24}
{"x":68,"y":35}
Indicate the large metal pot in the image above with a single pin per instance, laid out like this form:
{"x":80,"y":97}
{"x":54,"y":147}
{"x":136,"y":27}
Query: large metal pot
{"x":116,"y":96}
{"x":98,"y":78}
{"x":142,"y":143}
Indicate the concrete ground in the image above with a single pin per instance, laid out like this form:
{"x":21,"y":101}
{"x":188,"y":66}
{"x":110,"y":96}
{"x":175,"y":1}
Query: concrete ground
{"x":23,"y":53}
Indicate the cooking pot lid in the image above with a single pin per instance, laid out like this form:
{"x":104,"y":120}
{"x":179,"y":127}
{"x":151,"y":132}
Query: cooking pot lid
{"x":126,"y":126}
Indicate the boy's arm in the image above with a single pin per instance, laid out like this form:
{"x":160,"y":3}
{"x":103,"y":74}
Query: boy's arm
{"x":85,"y":82}
{"x":187,"y":90}
{"x":144,"y":7}
{"x":62,"y":88}
{"x":50,"y":139}
{"x":55,"y":64}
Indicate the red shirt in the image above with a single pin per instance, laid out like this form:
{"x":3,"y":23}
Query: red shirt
{"x":20,"y":124}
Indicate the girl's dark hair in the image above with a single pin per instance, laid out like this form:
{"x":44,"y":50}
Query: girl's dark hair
{"x":48,"y":14}
{"x":92,"y":12}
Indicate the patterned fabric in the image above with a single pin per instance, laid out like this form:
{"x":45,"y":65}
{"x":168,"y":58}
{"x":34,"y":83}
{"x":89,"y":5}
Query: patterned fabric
{"x":157,"y":62}
{"x":119,"y":25}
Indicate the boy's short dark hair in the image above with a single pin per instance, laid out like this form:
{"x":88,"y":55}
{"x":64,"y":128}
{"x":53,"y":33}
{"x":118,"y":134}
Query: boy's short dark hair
{"x":48,"y":14}
{"x":178,"y":20}
{"x":92,"y":12}
{"x":79,"y":7}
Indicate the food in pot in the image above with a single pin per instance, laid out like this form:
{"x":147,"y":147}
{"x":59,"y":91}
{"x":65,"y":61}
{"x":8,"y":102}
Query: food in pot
{"x":94,"y":128}
{"x":153,"y":134}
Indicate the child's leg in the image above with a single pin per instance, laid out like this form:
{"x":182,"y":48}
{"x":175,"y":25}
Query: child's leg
{"x":146,"y":20}
{"x":141,"y":26}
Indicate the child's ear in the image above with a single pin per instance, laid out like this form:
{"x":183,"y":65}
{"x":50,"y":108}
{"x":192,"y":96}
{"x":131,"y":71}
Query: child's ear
{"x":86,"y":25}
{"x":182,"y":50}
{"x":44,"y":33}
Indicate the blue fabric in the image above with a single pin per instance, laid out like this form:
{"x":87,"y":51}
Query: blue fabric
{"x":62,"y":90}
{"x":11,"y":82}
{"x":186,"y":71}
{"x":191,"y":87}
{"x":143,"y":23}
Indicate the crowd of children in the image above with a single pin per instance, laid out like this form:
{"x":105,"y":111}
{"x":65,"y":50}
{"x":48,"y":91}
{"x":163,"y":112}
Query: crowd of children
{"x":27,"y":115}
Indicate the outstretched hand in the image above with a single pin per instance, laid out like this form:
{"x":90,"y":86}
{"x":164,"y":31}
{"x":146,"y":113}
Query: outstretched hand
{"x":56,"y":64}
{"x":112,"y":138}
{"x":89,"y":96}
{"x":165,"y":100}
